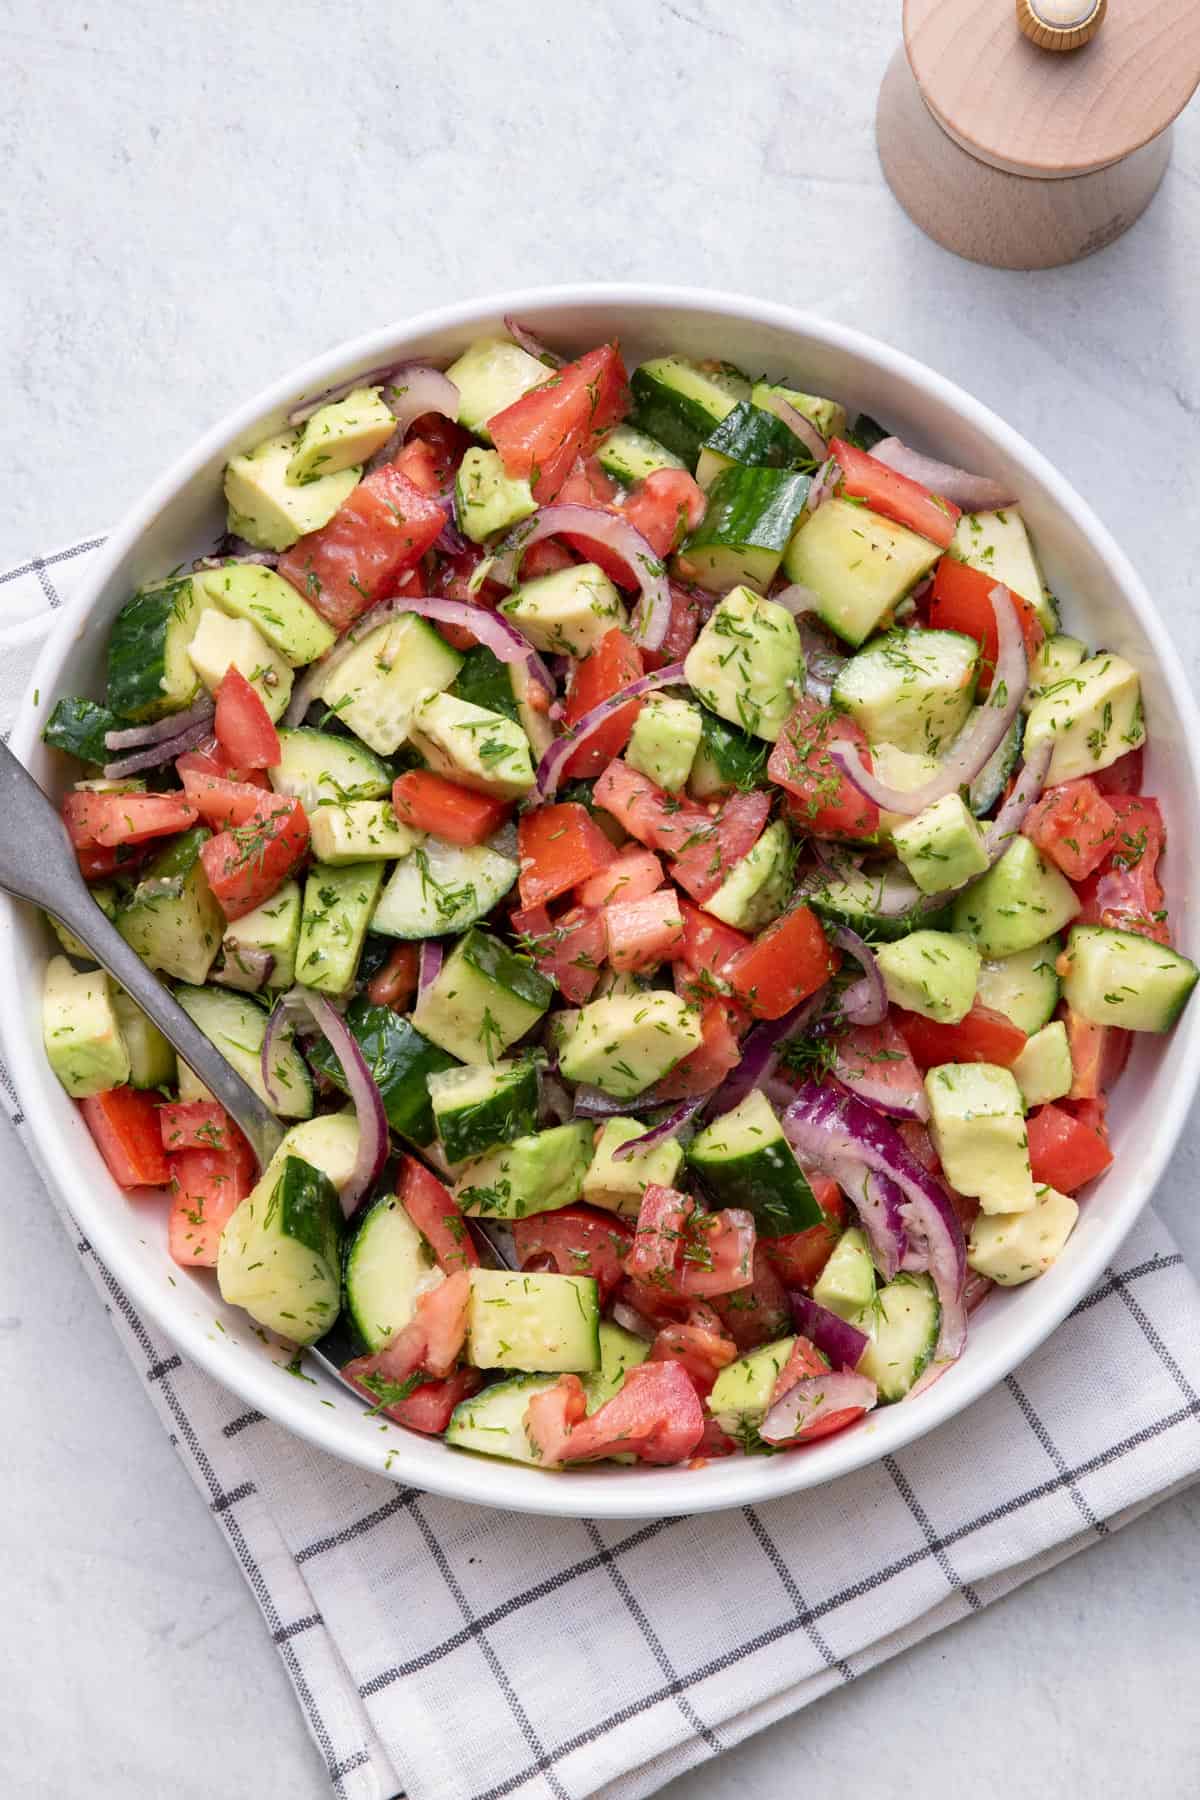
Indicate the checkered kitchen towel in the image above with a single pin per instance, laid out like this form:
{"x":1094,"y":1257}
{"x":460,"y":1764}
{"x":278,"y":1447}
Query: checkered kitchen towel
{"x":461,"y":1654}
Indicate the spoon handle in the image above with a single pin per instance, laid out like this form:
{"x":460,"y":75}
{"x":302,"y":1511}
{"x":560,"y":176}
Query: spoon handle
{"x":38,"y":864}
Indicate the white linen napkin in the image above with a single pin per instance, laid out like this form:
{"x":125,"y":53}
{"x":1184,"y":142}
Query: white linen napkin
{"x":455,"y":1653}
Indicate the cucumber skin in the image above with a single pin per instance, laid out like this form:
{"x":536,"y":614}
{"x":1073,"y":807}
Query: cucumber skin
{"x":77,"y":727}
{"x":510,"y":1114}
{"x":310,"y":1211}
{"x":753,"y":508}
{"x":484,"y":681}
{"x":755,"y":438}
{"x":136,"y":659}
{"x":677,"y":422}
{"x":741,"y":761}
{"x":399,"y":1058}
{"x":767,"y":1182}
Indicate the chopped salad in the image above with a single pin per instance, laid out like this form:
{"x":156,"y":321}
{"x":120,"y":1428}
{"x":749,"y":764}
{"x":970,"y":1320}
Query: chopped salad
{"x":652,"y":841}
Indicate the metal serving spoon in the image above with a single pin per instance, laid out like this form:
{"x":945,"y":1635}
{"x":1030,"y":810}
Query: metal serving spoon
{"x":37,"y":863}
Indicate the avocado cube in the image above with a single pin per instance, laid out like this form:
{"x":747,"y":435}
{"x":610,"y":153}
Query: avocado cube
{"x":977,"y":1123}
{"x":997,"y":544}
{"x":942,"y":847}
{"x":847,"y":1282}
{"x":491,"y":374}
{"x":286,"y":620}
{"x":151,"y":1059}
{"x":742,"y":1392}
{"x":624,"y":1043}
{"x":1090,"y":717}
{"x":567,"y":612}
{"x":267,"y":509}
{"x":1043,"y":1071}
{"x":486,"y":499}
{"x":220,"y":643}
{"x":479,"y":749}
{"x":1020,"y":902}
{"x":1055,"y":658}
{"x":338,"y":904}
{"x":911,"y":688}
{"x":617,"y":1185}
{"x":932,"y":973}
{"x":665,"y":740}
{"x":533,"y":1174}
{"x":858,"y":564}
{"x":84,"y":1043}
{"x":747,"y":664}
{"x":340,"y":435}
{"x":1010,"y":1248}
{"x":758,"y":886}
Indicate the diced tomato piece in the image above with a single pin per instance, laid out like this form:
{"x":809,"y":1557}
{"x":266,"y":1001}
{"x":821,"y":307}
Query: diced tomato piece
{"x":437,"y":1216}
{"x":919,"y":1142}
{"x":701,"y":1354}
{"x":983,"y":1036}
{"x":706,"y":1067}
{"x":804,"y":1362}
{"x":1074,"y":826}
{"x":1123,"y":776}
{"x":246,"y":864}
{"x":631,"y":875}
{"x":588,"y":484}
{"x":419,"y":461}
{"x":430,"y":1343}
{"x":702,"y":864}
{"x":429,"y":1408}
{"x":559,"y":847}
{"x":879,"y":1055}
{"x":540,"y":435}
{"x":196,"y":1125}
{"x":1064,"y":1152}
{"x":640,"y":934}
{"x":396,"y":982}
{"x":447,"y":443}
{"x":1098,"y":1054}
{"x":664,"y":507}
{"x":786,"y":963}
{"x":708,"y":945}
{"x":613,"y":665}
{"x":799,"y":1256}
{"x":428,"y":802}
{"x":208,"y":1185}
{"x":124,"y":1123}
{"x":1125,"y":892}
{"x":220,"y":801}
{"x":210,"y":759}
{"x":959,"y":601}
{"x":1092,"y":1112}
{"x":109,"y":820}
{"x":893,"y":495}
{"x":683,"y":626}
{"x":656,"y":1414}
{"x":570,"y":950}
{"x":822,"y":801}
{"x":243,"y":724}
{"x":95,"y":862}
{"x":375,"y":536}
{"x":658,"y":1239}
{"x":576,"y":1240}
{"x":759,"y":1313}
{"x":546,"y":558}
{"x":646,"y":812}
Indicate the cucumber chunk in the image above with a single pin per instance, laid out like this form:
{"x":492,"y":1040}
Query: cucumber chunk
{"x":743,"y":1159}
{"x":439,"y":888}
{"x":171,"y":918}
{"x":624,"y":1043}
{"x":317,"y":768}
{"x":749,"y":519}
{"x":77,"y":727}
{"x":1024,"y":987}
{"x":237,"y":1025}
{"x":388,"y":1266}
{"x":629,"y":455}
{"x":903,"y":1321}
{"x":859,"y":565}
{"x":401,"y":1061}
{"x":375,"y":689}
{"x":679,"y":402}
{"x":1119,"y":978}
{"x":149,"y":671}
{"x":1021,"y":901}
{"x":911,"y":688}
{"x":538,"y":1173}
{"x":279,"y":1254}
{"x":482,"y":999}
{"x":539,"y":1323}
{"x":475,"y":1108}
{"x":338,"y":904}
{"x":152,"y":1061}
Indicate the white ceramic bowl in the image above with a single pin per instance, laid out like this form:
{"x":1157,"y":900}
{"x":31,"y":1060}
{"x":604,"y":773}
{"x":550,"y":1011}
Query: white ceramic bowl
{"x":1103,"y":600}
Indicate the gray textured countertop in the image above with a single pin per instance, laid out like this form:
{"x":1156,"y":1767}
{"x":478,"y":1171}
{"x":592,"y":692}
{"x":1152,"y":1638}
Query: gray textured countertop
{"x":196,"y":198}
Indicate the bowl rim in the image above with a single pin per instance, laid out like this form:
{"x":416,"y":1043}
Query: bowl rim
{"x":650,"y":1493}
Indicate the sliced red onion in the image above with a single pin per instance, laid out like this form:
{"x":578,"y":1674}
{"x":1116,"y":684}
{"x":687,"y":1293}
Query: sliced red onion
{"x":550,"y":768}
{"x":630,"y":1319}
{"x":1027,"y":791}
{"x":495,"y":1243}
{"x":162,"y":729}
{"x":157,"y":754}
{"x":532,"y":346}
{"x":840,"y":1341}
{"x":762,"y":1048}
{"x":554,"y":1102}
{"x":877,"y":1093}
{"x":825,"y":1127}
{"x":973,"y":493}
{"x":814,"y":1398}
{"x":887,"y":889}
{"x":617,"y":535}
{"x":369,"y":378}
{"x":488,"y":628}
{"x":823,"y":484}
{"x":823,"y":660}
{"x":361,"y":1087}
{"x":866,"y":1002}
{"x":879,"y":1204}
{"x":282,"y":1018}
{"x":674,"y":1121}
{"x":796,"y":599}
{"x":245,"y":970}
{"x":973,"y":745}
{"x":797,"y":424}
{"x":430,"y":963}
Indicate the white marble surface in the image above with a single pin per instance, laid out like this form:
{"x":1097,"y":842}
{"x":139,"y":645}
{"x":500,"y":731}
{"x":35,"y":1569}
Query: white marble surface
{"x":194,"y":198}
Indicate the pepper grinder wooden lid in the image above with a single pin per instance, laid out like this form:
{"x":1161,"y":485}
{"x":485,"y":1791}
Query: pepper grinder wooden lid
{"x":1032,"y":134}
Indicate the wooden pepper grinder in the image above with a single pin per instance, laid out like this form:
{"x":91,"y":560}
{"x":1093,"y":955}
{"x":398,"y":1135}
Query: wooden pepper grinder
{"x":1031,"y":139}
